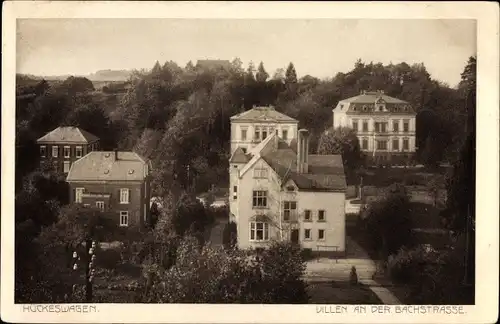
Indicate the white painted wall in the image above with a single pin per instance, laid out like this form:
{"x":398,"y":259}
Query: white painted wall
{"x":333,"y":203}
{"x":248,"y":143}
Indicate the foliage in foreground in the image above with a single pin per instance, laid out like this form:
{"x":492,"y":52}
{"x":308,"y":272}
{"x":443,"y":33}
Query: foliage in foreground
{"x":203,"y":274}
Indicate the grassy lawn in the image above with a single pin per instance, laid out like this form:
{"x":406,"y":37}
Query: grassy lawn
{"x":383,"y":177}
{"x":340,"y":293}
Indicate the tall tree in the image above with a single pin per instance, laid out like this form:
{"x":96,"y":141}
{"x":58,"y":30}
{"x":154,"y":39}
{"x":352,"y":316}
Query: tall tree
{"x":290,"y":75}
{"x":261,"y":75}
{"x":342,"y":140}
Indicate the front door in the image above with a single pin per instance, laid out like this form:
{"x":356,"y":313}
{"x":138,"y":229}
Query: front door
{"x":294,"y":236}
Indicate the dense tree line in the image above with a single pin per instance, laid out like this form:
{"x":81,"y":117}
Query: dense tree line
{"x":179,"y":117}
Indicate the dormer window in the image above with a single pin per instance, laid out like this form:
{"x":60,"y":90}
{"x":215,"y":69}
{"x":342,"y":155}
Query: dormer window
{"x":290,"y":188}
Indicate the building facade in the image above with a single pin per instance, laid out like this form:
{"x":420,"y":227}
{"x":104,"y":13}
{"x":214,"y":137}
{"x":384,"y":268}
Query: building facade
{"x":385,"y":126}
{"x":115,"y":182}
{"x":251,"y":127}
{"x":64,"y":145}
{"x":280,"y":192}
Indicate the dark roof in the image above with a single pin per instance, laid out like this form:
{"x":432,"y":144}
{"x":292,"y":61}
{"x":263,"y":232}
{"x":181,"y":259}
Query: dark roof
{"x":102,"y":166}
{"x":365,"y":102}
{"x":263,"y":114}
{"x":326,"y":172}
{"x":68,"y":135}
{"x":239,"y":156}
{"x":213,"y":64}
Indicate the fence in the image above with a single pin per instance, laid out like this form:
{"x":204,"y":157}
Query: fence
{"x":328,"y":250}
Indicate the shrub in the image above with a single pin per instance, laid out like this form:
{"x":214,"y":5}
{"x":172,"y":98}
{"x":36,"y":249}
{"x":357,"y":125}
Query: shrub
{"x":434,"y":276}
{"x":229,"y":235}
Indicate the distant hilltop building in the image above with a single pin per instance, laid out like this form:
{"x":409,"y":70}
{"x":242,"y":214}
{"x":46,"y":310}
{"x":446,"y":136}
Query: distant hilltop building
{"x":115,"y":182}
{"x":213,"y":64}
{"x":251,"y":127}
{"x":65,"y":145}
{"x":278,"y":191}
{"x":385,"y":125}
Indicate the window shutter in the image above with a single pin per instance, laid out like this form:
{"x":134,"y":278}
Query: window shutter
{"x":74,"y":195}
{"x":119,"y":196}
{"x":129,"y":196}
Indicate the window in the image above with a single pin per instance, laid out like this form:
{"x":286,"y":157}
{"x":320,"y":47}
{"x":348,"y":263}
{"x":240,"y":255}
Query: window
{"x":406,"y":144}
{"x":235,"y":192}
{"x":55,"y":151}
{"x":78,"y":194}
{"x":67,"y":152}
{"x":289,"y":209}
{"x":355,"y":125}
{"x":365,"y":126}
{"x":321,"y":234}
{"x":321,"y":215}
{"x":364,"y":144}
{"x":243,"y":134}
{"x":256,"y":135}
{"x":395,"y":144}
{"x":79,"y":151}
{"x":259,"y":199}
{"x":285,"y":134}
{"x":307,"y":234}
{"x":406,"y":126}
{"x":260,"y":173}
{"x":100,"y":205}
{"x":381,"y":145}
{"x":124,"y":196}
{"x":124,"y":218}
{"x":377,"y":127}
{"x":395,"y":126}
{"x":384,"y":127}
{"x":67,"y":165}
{"x":42,"y":151}
{"x":307,"y":215}
{"x":259,"y":231}
{"x":264,"y":134}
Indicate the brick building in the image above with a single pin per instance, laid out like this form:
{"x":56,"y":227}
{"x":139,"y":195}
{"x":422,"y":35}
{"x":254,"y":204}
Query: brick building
{"x":115,"y":182}
{"x":65,"y":145}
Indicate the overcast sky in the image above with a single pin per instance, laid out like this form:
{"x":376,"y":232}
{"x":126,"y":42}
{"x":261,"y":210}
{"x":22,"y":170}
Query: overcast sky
{"x":317,"y":47}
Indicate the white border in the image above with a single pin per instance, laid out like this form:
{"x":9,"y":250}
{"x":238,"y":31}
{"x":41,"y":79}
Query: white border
{"x":486,"y":14}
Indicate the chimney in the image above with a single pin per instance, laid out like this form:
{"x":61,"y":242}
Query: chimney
{"x":303,"y":151}
{"x":116,"y":155}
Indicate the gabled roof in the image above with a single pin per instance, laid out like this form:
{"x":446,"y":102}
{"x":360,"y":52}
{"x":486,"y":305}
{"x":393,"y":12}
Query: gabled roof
{"x":103,"y":166}
{"x":262,"y":114}
{"x":239,"y":156}
{"x":326,"y":172}
{"x":68,"y":135}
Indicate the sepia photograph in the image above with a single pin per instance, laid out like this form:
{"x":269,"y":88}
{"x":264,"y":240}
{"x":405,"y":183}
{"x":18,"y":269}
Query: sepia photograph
{"x":326,"y":161}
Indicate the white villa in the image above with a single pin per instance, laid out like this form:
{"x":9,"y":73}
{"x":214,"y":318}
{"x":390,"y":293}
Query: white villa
{"x":280,"y":191}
